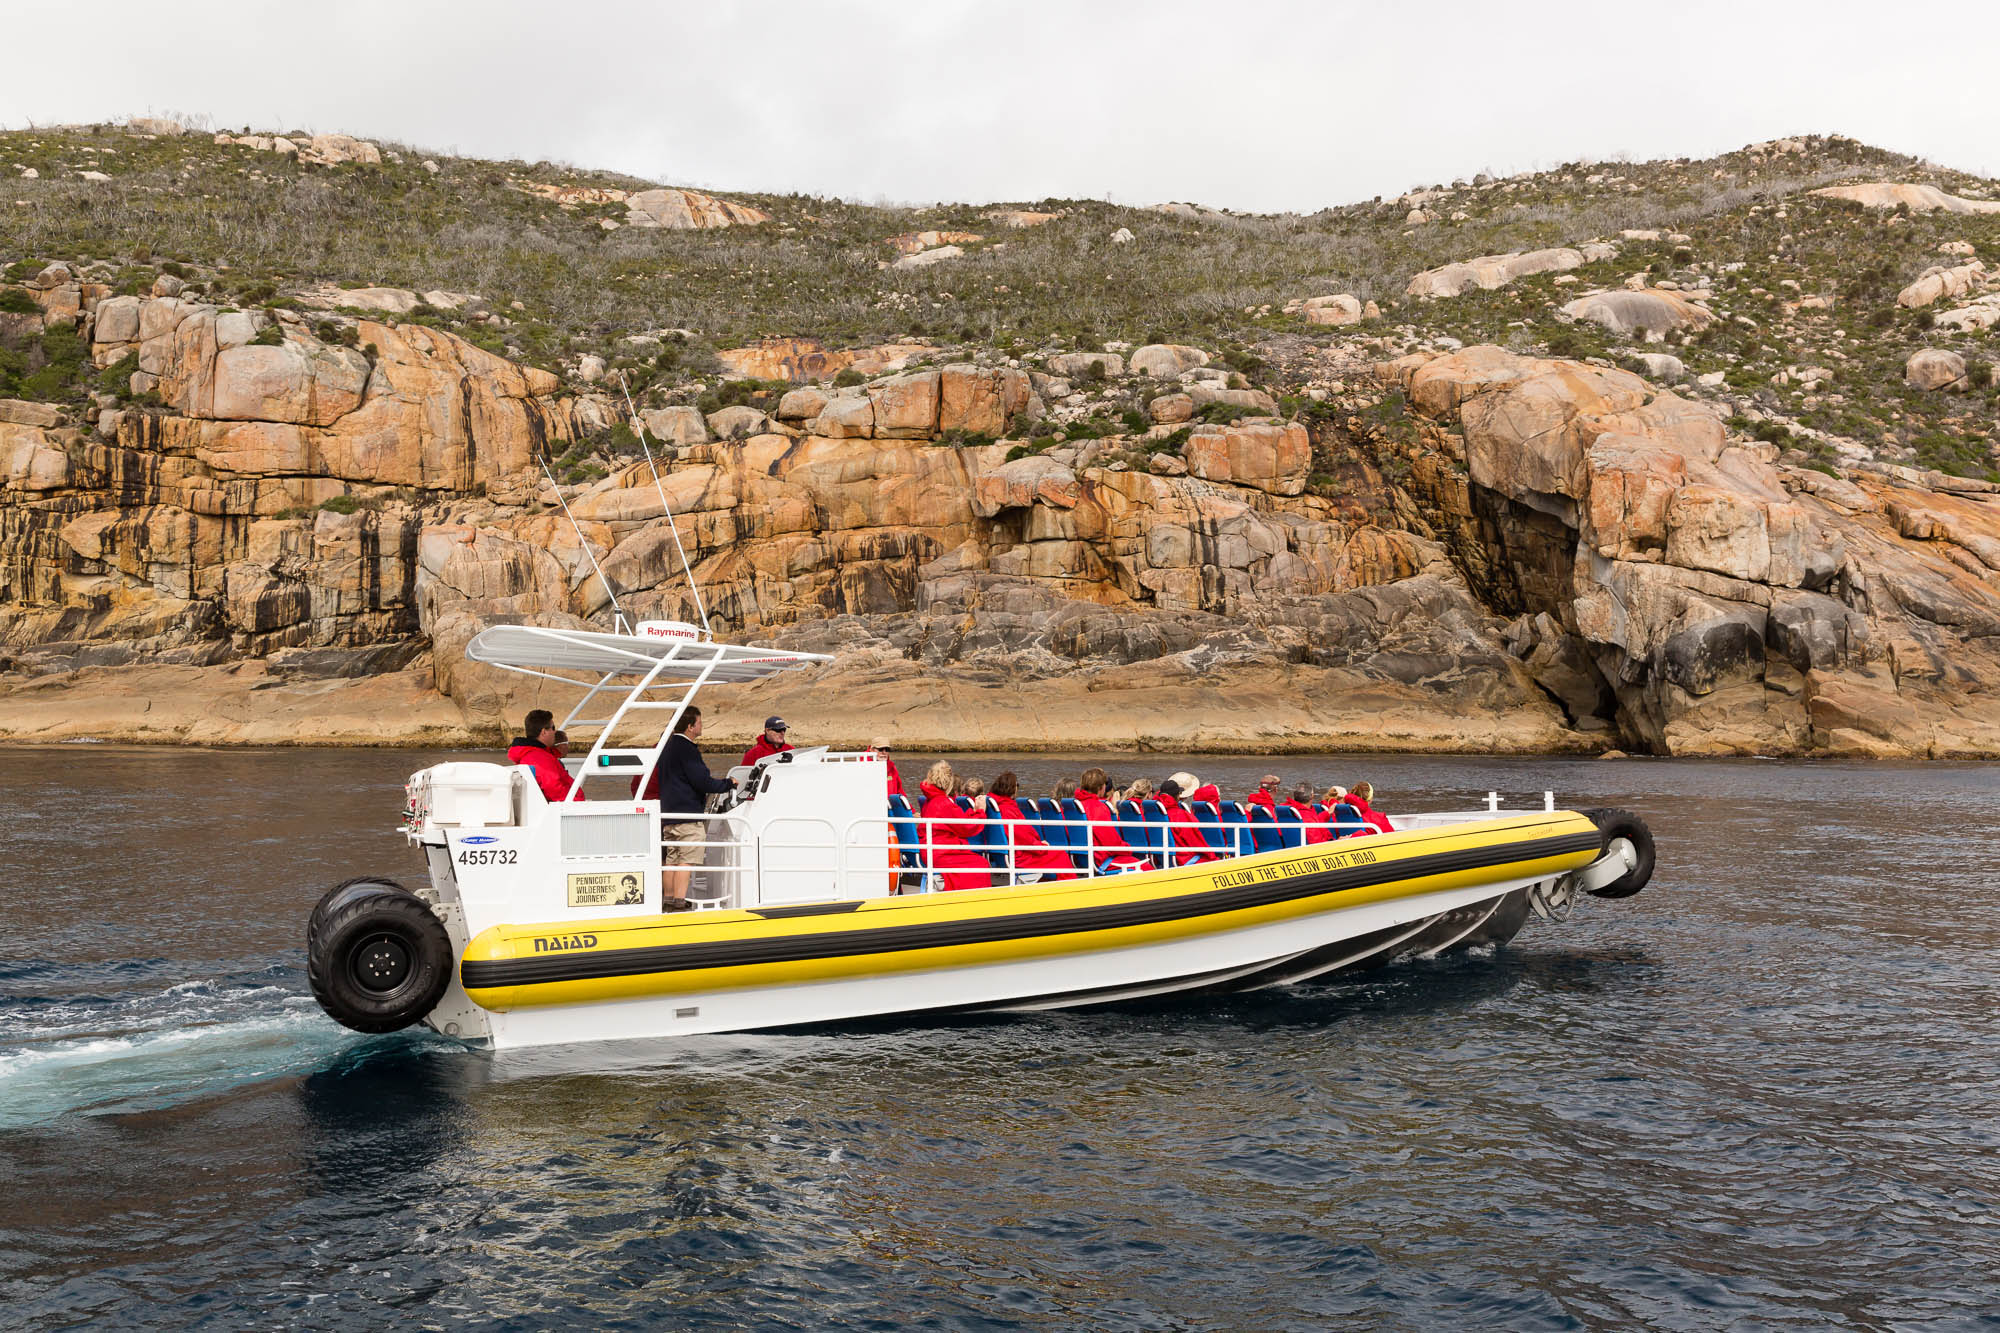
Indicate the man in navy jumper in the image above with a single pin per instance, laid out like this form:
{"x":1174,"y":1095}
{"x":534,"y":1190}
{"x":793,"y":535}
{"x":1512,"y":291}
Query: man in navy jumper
{"x":683,"y":784}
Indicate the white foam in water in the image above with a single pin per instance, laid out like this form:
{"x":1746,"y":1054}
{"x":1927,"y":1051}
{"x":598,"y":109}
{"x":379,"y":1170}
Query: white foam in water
{"x":196,"y":1038}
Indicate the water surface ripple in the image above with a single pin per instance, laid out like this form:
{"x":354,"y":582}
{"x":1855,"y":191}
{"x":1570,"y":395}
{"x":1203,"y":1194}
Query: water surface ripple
{"x":1760,"y":1095}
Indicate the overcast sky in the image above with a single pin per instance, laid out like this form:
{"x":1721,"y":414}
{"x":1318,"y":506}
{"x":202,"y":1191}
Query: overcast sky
{"x":1249,"y":104}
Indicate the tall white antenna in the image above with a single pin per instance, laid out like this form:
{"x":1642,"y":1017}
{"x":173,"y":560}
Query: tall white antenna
{"x":639,"y":429}
{"x":617,"y":611}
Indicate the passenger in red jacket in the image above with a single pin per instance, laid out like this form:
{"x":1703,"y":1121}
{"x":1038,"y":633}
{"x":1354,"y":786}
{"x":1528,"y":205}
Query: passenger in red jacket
{"x":880,"y":745}
{"x":1359,"y":798}
{"x":947,"y":827}
{"x":1316,"y":824}
{"x":1190,"y":848}
{"x":1034,"y":859}
{"x":1109,"y":851}
{"x":535,"y":749}
{"x":1266,"y":794}
{"x":771,"y":742}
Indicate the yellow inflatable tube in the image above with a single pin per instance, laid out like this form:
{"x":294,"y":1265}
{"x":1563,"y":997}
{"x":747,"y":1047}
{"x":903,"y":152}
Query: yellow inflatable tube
{"x":578,"y":962}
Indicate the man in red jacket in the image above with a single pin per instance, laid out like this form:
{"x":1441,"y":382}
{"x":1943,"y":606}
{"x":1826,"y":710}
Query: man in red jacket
{"x":1266,"y":794}
{"x":536,"y":749}
{"x":771,"y":742}
{"x":880,"y":745}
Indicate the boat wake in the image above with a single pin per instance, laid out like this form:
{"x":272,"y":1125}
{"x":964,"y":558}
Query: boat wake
{"x":98,"y":1054}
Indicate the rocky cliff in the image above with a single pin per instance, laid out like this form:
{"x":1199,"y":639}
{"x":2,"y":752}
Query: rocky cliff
{"x":283,"y":522}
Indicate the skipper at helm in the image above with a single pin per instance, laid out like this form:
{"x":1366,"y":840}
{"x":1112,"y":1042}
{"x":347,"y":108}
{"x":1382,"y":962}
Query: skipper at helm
{"x":542,"y":920}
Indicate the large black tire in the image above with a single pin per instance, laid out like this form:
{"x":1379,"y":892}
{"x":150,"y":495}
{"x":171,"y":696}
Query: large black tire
{"x":1613,"y":824}
{"x":340,"y":895}
{"x":378,"y":959}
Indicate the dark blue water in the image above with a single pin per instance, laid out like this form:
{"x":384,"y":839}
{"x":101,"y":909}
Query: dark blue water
{"x":1761,"y":1095}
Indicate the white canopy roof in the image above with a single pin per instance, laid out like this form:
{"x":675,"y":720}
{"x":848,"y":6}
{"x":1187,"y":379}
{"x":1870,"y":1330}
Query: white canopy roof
{"x":537,"y":648}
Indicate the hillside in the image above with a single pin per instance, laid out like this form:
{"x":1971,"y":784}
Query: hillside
{"x":273,"y":411}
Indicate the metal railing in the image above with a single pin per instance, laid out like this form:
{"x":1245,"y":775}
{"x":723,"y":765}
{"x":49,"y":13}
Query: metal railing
{"x":1001,"y":843}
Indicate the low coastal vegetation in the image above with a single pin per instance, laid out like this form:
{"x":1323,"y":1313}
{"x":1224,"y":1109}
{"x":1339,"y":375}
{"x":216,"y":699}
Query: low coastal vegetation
{"x":1685,"y":456}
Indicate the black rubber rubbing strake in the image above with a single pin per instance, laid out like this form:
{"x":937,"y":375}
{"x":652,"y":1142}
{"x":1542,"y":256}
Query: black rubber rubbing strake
{"x":488,"y":974}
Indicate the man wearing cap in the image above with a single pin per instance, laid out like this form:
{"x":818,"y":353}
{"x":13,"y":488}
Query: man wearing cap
{"x":771,"y":742}
{"x":880,"y":745}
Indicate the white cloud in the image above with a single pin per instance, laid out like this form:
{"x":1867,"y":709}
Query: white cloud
{"x":1248,"y":105}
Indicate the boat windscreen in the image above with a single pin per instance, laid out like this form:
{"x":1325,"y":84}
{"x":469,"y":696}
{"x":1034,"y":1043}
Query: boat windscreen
{"x":543,"y":648}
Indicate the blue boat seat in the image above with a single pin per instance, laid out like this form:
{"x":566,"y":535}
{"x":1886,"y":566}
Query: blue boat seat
{"x":909,"y":843}
{"x":1347,"y":821}
{"x":1075,"y":834}
{"x":1291,"y":827}
{"x":1236,"y":829}
{"x":1209,"y":821}
{"x":1138,"y":837}
{"x":1264,"y":836}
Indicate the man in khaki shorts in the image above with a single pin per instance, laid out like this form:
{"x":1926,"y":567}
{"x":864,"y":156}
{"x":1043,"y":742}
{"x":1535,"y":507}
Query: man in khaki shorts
{"x":683,"y":785}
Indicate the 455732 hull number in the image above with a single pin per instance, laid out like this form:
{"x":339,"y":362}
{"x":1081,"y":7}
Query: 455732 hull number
{"x":486,"y":856}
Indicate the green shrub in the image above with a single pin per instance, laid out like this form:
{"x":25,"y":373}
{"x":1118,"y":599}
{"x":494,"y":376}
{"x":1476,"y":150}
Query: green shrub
{"x":117,"y":377}
{"x":341,"y":504}
{"x":1980,"y":374}
{"x":848,"y":378}
{"x":271,"y":335}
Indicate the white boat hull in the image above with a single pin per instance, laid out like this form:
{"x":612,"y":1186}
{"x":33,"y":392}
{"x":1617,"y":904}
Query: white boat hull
{"x":1218,"y":961}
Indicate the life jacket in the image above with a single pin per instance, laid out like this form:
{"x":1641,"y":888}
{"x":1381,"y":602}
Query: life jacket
{"x":1265,"y":799}
{"x":550,"y":775}
{"x":1190,"y":847}
{"x":1030,"y":852}
{"x":957,"y":864}
{"x":895,"y":779}
{"x":1209,"y":792}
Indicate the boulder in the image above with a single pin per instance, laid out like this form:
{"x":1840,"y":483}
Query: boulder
{"x":1973,"y":317}
{"x":308,"y":384}
{"x":801,"y":405}
{"x":1491,"y":271}
{"x":1256,"y":400}
{"x":1341,"y":309}
{"x":117,"y":321}
{"x":1918,"y":198}
{"x":906,"y":406}
{"x":1271,"y":457}
{"x":808,"y":359}
{"x":17,"y":412}
{"x":1166,"y":360}
{"x":977,"y":401}
{"x":1021,"y":217}
{"x":1661,"y":366}
{"x":1077,"y":365}
{"x":590,"y":368}
{"x":925,"y":258}
{"x":678,"y":426}
{"x":913,"y":242}
{"x":1025,"y":482}
{"x":845,"y":417}
{"x":1935,"y":368}
{"x":738,"y":423}
{"x":1938,"y":282}
{"x":1171,"y":408}
{"x":164,"y":128}
{"x":329,"y":150}
{"x":688,"y":210}
{"x":1649,"y":312}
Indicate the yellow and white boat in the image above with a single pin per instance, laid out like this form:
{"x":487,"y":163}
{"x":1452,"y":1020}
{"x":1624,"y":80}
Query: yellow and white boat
{"x":542,"y":921}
